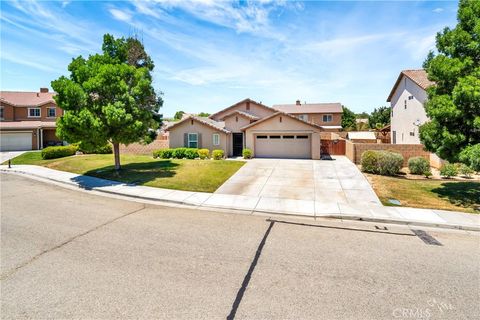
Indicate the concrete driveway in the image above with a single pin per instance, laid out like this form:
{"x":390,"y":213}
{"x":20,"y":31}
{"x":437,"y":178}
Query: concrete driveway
{"x":6,"y":155}
{"x":324,"y":181}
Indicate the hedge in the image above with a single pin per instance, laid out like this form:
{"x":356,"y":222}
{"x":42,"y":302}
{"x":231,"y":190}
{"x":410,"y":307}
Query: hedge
{"x":59,"y":152}
{"x":217,"y":154}
{"x":247,"y":154}
{"x":163,"y":153}
{"x":177,"y":153}
{"x":204,"y":154}
{"x":448,"y":170}
{"x":418,"y":165}
{"x":381,"y":162}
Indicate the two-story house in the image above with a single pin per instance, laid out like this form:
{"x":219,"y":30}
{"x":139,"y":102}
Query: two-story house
{"x":407,"y":100}
{"x":27,"y":120}
{"x":271,"y":132}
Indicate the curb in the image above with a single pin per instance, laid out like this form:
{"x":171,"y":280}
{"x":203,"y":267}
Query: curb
{"x":328,"y":216}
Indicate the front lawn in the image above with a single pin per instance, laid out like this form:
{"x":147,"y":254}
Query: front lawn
{"x":190,"y":175}
{"x":434,"y":194}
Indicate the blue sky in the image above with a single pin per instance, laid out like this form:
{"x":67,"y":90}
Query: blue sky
{"x":210,"y":54}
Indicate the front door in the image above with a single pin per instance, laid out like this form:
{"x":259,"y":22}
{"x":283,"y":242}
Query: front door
{"x":237,"y":144}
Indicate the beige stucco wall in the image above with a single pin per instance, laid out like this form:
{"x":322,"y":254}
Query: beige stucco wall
{"x":255,"y":109}
{"x":402,"y":119}
{"x":176,"y":136}
{"x":235,"y":122}
{"x":287,"y":125}
{"x":317,"y":118}
{"x":21,"y":113}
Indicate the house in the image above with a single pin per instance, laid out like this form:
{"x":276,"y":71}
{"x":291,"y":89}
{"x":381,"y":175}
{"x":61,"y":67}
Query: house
{"x":407,"y":100}
{"x":362,"y":136}
{"x":27,"y":120}
{"x":271,"y":132}
{"x":326,"y":115}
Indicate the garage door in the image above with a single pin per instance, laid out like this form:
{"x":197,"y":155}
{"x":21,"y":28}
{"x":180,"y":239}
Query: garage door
{"x":296,"y":146}
{"x":17,"y":141}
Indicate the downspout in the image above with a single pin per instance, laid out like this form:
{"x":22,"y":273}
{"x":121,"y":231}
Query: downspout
{"x":41,"y":138}
{"x":38,"y":139}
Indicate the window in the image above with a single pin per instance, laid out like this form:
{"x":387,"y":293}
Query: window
{"x":302,"y":137}
{"x":394,"y":137}
{"x":33,"y":112}
{"x":410,"y":97}
{"x":193,"y":140}
{"x":51,"y":112}
{"x":274,"y":137}
{"x":288,"y":137}
{"x":248,"y":106}
{"x":327,"y":118}
{"x":405,"y":104}
{"x":216,"y":139}
{"x":1,"y":113}
{"x":303,"y":117}
{"x":261,"y":137}
{"x":412,"y":133}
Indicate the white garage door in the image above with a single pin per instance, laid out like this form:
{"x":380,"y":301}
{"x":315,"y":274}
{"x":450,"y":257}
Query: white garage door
{"x":17,"y":141}
{"x":296,"y":146}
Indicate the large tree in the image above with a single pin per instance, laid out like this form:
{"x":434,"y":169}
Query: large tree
{"x":109,"y":97}
{"x":379,"y":117}
{"x":453,"y":104}
{"x":348,"y":119}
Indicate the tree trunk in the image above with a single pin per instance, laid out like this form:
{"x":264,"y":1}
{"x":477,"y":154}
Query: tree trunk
{"x":116,"y":153}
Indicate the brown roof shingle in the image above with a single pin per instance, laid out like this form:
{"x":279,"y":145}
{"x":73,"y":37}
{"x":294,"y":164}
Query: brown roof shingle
{"x":26,"y":99}
{"x":310,"y":108}
{"x":418,"y":76}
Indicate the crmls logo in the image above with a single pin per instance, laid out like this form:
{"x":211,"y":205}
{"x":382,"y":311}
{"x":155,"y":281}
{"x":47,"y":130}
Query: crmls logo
{"x":409,"y":313}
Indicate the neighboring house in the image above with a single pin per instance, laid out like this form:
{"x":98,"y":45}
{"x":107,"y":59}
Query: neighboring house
{"x":268,"y":132}
{"x":407,"y":100}
{"x":362,"y":136}
{"x":326,"y":115}
{"x":27,"y":120}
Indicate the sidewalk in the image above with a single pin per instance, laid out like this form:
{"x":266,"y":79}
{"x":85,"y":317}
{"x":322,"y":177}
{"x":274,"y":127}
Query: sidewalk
{"x":255,"y":204}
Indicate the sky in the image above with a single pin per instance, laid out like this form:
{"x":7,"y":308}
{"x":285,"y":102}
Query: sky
{"x":211,"y":54}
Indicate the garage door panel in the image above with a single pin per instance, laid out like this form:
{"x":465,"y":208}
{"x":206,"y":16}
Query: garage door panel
{"x":283,"y":146}
{"x":18,"y":141}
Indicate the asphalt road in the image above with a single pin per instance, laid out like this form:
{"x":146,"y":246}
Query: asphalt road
{"x":70,"y":254}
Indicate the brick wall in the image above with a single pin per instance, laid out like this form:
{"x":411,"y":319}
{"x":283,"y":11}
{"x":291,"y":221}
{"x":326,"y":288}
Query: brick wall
{"x":137,"y":148}
{"x":354,"y":150}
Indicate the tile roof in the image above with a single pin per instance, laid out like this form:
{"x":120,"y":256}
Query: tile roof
{"x":283,"y":114}
{"x":26,"y":99}
{"x":418,"y":76}
{"x":27,"y":124}
{"x":310,"y":108}
{"x":242,"y":113}
{"x":219,"y":125}
{"x":240,"y":102}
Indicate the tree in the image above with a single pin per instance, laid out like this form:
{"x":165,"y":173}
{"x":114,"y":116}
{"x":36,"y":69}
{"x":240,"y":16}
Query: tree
{"x":204,"y":114}
{"x":453,"y":104}
{"x":178,"y":115}
{"x":109,"y":98}
{"x":348,"y":119}
{"x":362,"y":115}
{"x":379,"y":117}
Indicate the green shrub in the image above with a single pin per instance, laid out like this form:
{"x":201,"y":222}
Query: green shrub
{"x":448,"y":170}
{"x":465,"y":170}
{"x":179,"y":153}
{"x":59,"y":152}
{"x":247,"y":154}
{"x":389,"y":163}
{"x":471,"y":157}
{"x":191,"y":153}
{"x":428,"y":173}
{"x":369,"y":161}
{"x":418,"y":165}
{"x":163,"y":153}
{"x":204,"y":154}
{"x":93,"y":150}
{"x":106,"y":149}
{"x":217,"y":154}
{"x":381,"y":162}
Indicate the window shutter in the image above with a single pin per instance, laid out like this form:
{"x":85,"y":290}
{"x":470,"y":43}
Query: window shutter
{"x":199,"y":137}
{"x":185,"y":140}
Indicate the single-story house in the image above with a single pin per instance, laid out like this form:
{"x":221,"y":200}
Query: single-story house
{"x":27,"y":120}
{"x":269,"y":132}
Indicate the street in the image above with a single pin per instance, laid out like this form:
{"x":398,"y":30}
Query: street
{"x":70,"y":254}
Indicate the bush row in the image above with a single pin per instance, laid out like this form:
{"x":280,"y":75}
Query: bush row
{"x":59,"y":152}
{"x":381,"y":162}
{"x":188,"y":153}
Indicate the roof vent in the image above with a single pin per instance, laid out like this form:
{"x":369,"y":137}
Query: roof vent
{"x":297,"y":102}
{"x":43,"y":90}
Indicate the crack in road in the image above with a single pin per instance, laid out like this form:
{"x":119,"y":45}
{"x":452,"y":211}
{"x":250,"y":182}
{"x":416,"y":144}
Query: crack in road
{"x":69,"y":240}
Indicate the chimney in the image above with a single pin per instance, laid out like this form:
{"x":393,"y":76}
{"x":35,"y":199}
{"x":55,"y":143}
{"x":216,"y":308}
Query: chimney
{"x":297,"y":102}
{"x":43,"y":90}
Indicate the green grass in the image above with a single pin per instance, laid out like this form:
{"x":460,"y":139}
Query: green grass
{"x":435,"y":194}
{"x":190,"y":175}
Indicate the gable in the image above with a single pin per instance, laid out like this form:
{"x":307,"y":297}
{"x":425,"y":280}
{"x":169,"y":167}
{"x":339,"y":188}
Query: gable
{"x":247,"y":105}
{"x":282,"y":122}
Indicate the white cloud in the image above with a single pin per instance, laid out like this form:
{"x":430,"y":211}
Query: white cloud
{"x":438,"y":10}
{"x":121,"y":15}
